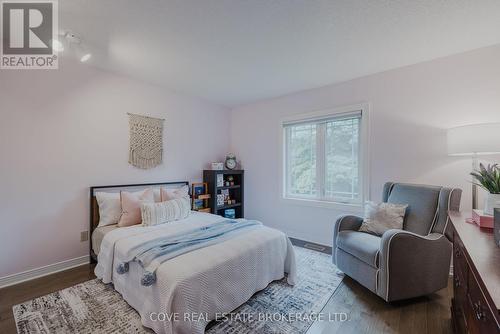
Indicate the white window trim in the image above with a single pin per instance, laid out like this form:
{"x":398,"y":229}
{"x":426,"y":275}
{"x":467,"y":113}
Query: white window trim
{"x":364,"y":158}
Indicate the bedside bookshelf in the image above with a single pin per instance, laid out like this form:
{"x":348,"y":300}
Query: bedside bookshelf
{"x":199,"y":192}
{"x":236,"y":191}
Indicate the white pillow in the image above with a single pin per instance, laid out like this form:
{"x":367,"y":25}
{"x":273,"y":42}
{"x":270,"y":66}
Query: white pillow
{"x":167,"y":194}
{"x":157,"y":194}
{"x":164,"y":212}
{"x":110,"y":207}
{"x":382,"y":217}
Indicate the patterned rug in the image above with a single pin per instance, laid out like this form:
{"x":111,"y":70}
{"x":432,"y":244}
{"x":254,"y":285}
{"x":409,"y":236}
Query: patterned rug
{"x":94,"y":307}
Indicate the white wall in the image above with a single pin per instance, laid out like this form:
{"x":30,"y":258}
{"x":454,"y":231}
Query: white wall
{"x":63,"y":131}
{"x":410,"y":109}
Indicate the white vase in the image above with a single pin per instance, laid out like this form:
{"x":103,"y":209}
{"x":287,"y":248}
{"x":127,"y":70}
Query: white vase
{"x":491,"y":202}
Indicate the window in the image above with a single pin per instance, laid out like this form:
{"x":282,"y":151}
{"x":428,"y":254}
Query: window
{"x":323,"y":157}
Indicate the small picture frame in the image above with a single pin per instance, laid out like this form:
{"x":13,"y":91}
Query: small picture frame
{"x":198,"y":204}
{"x":220,"y":180}
{"x":220,"y":200}
{"x":199,"y":189}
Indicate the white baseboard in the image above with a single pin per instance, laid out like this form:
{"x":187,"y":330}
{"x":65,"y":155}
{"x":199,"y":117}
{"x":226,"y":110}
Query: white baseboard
{"x":308,"y":237}
{"x":42,"y":271}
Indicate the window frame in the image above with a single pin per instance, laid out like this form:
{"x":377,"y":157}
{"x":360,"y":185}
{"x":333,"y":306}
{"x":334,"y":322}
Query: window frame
{"x":364,"y":129}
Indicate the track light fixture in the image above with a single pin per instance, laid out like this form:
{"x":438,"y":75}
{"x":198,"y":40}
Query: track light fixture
{"x":74,"y":43}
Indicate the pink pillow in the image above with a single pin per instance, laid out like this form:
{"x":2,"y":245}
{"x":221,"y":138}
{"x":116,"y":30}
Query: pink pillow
{"x":131,"y":206}
{"x":170,"y":194}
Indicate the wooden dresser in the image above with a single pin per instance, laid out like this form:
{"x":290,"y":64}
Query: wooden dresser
{"x":475,"y":307}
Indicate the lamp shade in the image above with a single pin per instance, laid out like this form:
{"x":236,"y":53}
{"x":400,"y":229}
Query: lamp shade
{"x":473,"y":139}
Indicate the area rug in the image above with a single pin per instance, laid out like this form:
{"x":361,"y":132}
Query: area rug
{"x":94,"y":307}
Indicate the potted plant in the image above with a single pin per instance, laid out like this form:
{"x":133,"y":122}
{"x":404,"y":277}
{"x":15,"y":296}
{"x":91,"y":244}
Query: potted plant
{"x":488,"y":178}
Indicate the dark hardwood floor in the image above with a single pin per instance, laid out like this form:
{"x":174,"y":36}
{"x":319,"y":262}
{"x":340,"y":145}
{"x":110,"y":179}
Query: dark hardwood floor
{"x":366,"y":312}
{"x":19,"y":293}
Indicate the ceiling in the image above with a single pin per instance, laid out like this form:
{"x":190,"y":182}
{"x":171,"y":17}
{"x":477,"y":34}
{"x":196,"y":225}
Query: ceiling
{"x":234,"y":52}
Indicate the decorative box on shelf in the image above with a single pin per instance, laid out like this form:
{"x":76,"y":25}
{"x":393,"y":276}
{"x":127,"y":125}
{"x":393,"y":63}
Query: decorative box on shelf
{"x":497,"y":226}
{"x":230,"y":213}
{"x":217,"y":166}
{"x":481,"y":219}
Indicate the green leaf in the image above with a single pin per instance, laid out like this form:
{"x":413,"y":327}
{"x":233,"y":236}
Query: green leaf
{"x":487,"y":178}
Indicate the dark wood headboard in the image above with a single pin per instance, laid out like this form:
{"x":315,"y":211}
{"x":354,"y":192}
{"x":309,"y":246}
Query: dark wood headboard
{"x":94,"y":207}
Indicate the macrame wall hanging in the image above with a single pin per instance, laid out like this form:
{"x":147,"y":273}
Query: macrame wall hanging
{"x":146,"y":141}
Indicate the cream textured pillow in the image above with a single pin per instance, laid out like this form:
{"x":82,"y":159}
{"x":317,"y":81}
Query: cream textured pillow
{"x":382,"y":217}
{"x":165,"y":212}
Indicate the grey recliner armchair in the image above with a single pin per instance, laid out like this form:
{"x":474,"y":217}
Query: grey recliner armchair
{"x":406,"y":263}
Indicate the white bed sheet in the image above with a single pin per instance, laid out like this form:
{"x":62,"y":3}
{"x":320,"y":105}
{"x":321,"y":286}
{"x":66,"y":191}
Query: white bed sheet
{"x":98,"y":236}
{"x":205,"y":282}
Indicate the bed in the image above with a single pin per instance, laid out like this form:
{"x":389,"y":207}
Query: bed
{"x":194,"y":288}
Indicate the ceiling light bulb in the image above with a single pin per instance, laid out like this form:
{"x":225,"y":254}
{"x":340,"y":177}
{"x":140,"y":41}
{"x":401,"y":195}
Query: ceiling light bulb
{"x":57,"y":45}
{"x":82,"y":53}
{"x":85,"y":57}
{"x":76,"y":45}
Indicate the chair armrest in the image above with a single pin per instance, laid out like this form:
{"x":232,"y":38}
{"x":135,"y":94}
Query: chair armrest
{"x":412,"y":265}
{"x":347,"y":222}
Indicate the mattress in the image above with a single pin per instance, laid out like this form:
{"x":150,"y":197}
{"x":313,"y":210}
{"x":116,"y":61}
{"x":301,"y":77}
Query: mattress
{"x":98,"y":236}
{"x":212,"y":280}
